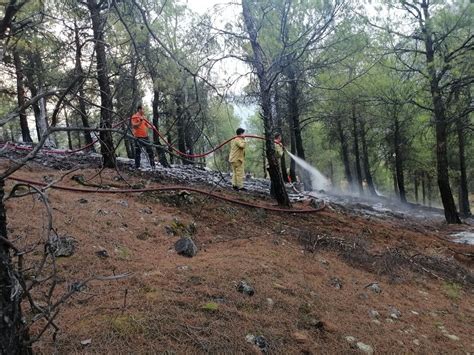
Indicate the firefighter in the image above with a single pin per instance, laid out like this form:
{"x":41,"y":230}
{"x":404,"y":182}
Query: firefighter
{"x":279,"y":151}
{"x":140,"y":127}
{"x":237,"y":159}
{"x":278,"y":147}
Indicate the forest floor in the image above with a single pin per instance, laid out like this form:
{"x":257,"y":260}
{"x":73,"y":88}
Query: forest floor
{"x":313,"y":274}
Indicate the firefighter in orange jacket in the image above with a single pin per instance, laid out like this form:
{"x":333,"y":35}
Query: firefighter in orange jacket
{"x":140,"y":127}
{"x":237,"y":159}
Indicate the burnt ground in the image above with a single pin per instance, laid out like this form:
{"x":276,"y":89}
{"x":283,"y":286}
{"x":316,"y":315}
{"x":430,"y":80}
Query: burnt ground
{"x":311,"y":273}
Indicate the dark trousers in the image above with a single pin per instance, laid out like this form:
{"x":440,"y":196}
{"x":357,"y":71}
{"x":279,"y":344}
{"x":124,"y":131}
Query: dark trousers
{"x":143,"y":143}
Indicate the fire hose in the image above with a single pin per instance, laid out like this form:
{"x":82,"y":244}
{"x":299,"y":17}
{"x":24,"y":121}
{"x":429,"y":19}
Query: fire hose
{"x":153,"y":127}
{"x":171,"y":188}
{"x":166,"y":188}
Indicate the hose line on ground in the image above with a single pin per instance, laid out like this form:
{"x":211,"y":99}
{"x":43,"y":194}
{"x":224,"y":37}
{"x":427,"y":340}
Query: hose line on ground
{"x":172,"y":188}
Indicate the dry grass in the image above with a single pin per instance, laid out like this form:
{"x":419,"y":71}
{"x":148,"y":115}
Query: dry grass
{"x":174,"y":304}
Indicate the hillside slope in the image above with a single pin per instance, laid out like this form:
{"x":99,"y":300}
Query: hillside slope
{"x":311,"y":274}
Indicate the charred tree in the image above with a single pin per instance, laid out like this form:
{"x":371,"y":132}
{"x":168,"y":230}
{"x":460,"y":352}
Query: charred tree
{"x":188,"y":135}
{"x":294,"y":113}
{"x":365,"y":158}
{"x":292,"y":148}
{"x":79,"y":72}
{"x":355,"y":136}
{"x":398,"y":149}
{"x":13,"y":335}
{"x":265,"y":79}
{"x":156,"y":137}
{"x":441,"y":124}
{"x":279,"y":128}
{"x":181,"y":123}
{"x":344,"y":152}
{"x":416,"y":184}
{"x":106,"y":140}
{"x":464,"y":208}
{"x":423,"y":187}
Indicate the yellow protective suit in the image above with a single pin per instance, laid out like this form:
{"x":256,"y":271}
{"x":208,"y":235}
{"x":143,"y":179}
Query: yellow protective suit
{"x":278,"y":151}
{"x":237,"y":159}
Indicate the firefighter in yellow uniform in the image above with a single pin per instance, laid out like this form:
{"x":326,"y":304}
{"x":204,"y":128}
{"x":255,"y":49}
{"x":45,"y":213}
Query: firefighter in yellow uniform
{"x":278,"y":147}
{"x":237,"y":159}
{"x":279,"y":151}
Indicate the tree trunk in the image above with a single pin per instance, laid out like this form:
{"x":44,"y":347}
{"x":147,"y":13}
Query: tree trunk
{"x":294,"y":113}
{"x":13,"y":335}
{"x":20,"y":89}
{"x":264,"y":161}
{"x":399,"y":159}
{"x":188,"y":136}
{"x":430,"y":190}
{"x":395,"y":184}
{"x":180,"y":118}
{"x":416,"y":184}
{"x":356,"y":150}
{"x":464,"y":208}
{"x":279,"y":129}
{"x":30,"y":83}
{"x":423,"y":187}
{"x":365,"y":159}
{"x":43,"y":120}
{"x":81,"y":96}
{"x":36,"y":85}
{"x":68,"y":133}
{"x":106,"y":140}
{"x":447,"y":199}
{"x":265,"y":102}
{"x":156,"y":137}
{"x":169,"y":141}
{"x":292,"y":148}
{"x":78,"y":134}
{"x":344,"y":153}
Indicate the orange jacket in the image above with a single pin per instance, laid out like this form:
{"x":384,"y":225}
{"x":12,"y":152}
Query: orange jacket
{"x":139,"y":126}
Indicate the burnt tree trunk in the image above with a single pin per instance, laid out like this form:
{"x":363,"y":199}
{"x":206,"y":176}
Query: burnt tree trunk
{"x":169,"y":142}
{"x":397,"y":142}
{"x":265,"y":83}
{"x":447,"y":198}
{"x":430,"y":189}
{"x":180,"y":119}
{"x":423,"y":187}
{"x":294,"y":113}
{"x":20,"y":92}
{"x":356,"y":149}
{"x":416,"y":183}
{"x":30,"y":82}
{"x":156,"y":137}
{"x":279,"y":129}
{"x":68,"y":133}
{"x":292,"y":148}
{"x":106,"y":140}
{"x":188,"y":136}
{"x":344,"y":153}
{"x":464,"y":208}
{"x":365,"y":158}
{"x":395,"y":183}
{"x":13,"y":335}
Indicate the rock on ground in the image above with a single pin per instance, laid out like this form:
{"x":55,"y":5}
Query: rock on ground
{"x":186,"y":247}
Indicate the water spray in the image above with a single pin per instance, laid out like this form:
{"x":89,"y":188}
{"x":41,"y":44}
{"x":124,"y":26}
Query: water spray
{"x":318,"y":180}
